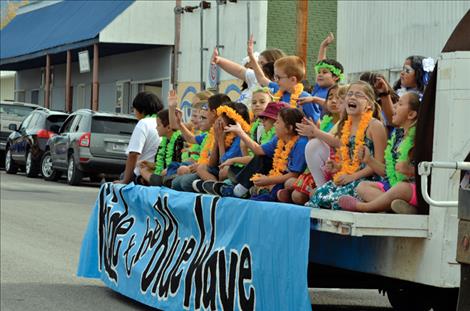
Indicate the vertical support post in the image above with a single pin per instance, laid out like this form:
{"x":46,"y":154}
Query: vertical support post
{"x":176,"y":49}
{"x":217,"y":44}
{"x":68,"y":83}
{"x":202,"y":48}
{"x":248,"y":21}
{"x":47,"y":91}
{"x":302,"y":29}
{"x":95,"y":92}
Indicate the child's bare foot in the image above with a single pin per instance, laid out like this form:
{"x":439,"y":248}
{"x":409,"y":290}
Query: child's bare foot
{"x":348,"y":203}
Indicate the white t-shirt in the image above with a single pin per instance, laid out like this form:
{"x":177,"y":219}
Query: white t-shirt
{"x":245,"y":95}
{"x":144,"y":140}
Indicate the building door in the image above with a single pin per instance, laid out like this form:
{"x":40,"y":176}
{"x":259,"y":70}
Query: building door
{"x":123,"y":100}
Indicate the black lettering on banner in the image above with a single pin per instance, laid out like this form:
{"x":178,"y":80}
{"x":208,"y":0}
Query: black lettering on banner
{"x":110,"y":227}
{"x":244,"y":274}
{"x":210,"y":280}
{"x":227,"y":291}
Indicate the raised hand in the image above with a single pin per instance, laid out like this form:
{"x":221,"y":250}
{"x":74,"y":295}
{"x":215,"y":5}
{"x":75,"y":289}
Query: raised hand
{"x":215,"y":57}
{"x":172,"y":98}
{"x":381,"y":86}
{"x":250,"y":46}
{"x":328,"y":40}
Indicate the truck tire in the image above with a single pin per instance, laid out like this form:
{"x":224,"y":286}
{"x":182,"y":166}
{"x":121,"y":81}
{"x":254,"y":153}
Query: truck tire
{"x":74,"y":175}
{"x":47,"y":171}
{"x":31,"y":169}
{"x":10,"y":165}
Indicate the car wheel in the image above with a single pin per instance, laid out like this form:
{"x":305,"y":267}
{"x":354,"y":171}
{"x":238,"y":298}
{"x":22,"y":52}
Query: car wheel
{"x":31,"y":169}
{"x":74,"y":175}
{"x":47,"y":171}
{"x":10,"y":165}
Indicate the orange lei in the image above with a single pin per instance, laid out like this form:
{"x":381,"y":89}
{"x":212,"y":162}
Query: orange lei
{"x":349,"y":166}
{"x":281,"y":155}
{"x":298,"y":89}
{"x":232,"y":114}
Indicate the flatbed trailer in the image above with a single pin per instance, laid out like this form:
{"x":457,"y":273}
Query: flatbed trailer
{"x":412,"y":257}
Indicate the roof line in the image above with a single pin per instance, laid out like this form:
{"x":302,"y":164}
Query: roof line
{"x":54,"y":50}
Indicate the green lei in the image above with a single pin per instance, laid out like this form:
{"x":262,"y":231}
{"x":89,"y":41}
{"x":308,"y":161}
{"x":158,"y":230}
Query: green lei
{"x":325,"y":122}
{"x":334,"y":70}
{"x":393,"y":176}
{"x":267,"y":135}
{"x":254,"y":128}
{"x":165,"y":152}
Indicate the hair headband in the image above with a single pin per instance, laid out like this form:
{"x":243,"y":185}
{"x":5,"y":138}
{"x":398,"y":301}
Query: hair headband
{"x":333,"y":69}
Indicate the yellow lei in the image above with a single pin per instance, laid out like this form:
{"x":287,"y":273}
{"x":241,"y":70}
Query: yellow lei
{"x":298,"y":89}
{"x":349,"y":166}
{"x":280,"y":159}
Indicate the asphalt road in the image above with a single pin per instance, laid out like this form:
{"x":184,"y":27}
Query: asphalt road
{"x":42,"y":224}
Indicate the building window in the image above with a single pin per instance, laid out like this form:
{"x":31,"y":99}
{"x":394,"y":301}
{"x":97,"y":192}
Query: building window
{"x":20,"y":95}
{"x":35,"y":97}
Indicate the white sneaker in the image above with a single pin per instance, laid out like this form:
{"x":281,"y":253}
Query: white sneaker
{"x":402,"y":207}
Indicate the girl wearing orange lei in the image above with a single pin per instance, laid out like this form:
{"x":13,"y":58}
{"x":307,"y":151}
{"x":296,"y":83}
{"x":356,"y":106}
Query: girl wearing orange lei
{"x":220,"y":145}
{"x":360,"y":128}
{"x":283,"y":156}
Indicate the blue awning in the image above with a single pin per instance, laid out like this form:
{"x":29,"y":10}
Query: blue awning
{"x":69,"y":23}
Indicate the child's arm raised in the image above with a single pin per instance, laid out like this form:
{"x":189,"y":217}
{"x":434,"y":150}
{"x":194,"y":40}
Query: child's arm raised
{"x":324,"y":46}
{"x":229,"y":66}
{"x":172,"y":106}
{"x":185,"y":132}
{"x":260,"y":77}
{"x":385,"y":98}
{"x":250,"y":143}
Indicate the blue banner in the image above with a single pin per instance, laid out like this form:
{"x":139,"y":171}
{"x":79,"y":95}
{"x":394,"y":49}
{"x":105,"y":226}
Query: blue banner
{"x":184,"y":251}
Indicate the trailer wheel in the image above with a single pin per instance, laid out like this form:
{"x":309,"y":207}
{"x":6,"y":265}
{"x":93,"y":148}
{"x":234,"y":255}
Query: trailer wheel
{"x":409,"y":299}
{"x":445,"y":299}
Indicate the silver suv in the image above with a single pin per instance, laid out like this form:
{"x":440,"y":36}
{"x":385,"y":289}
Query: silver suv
{"x":89,"y":144}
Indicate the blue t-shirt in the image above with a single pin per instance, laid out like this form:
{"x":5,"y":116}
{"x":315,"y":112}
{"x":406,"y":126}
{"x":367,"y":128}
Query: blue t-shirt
{"x":232,"y":152}
{"x":310,"y":110}
{"x":321,"y":92}
{"x":296,"y":160}
{"x":199,"y":138}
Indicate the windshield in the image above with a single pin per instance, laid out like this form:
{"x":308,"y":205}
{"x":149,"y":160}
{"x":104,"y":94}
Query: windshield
{"x":17,"y":111}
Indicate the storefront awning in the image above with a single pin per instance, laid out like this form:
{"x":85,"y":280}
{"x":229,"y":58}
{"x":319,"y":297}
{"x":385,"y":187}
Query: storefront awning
{"x":56,"y":28}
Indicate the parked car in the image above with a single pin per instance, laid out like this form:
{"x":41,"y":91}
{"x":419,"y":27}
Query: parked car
{"x":26,"y":145}
{"x":89,"y":144}
{"x":11,"y":112}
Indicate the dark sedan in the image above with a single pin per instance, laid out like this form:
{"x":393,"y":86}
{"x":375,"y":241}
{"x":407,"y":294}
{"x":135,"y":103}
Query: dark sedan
{"x":26,"y":145}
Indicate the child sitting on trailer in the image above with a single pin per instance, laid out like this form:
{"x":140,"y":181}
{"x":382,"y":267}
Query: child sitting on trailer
{"x":398,"y":190}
